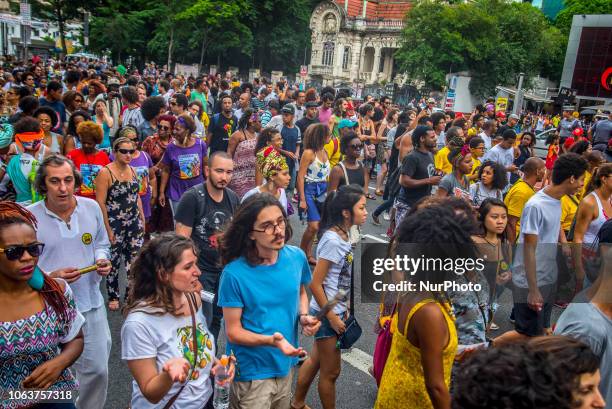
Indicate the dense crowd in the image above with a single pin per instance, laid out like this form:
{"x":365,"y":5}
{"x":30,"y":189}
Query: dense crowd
{"x":185,"y":186}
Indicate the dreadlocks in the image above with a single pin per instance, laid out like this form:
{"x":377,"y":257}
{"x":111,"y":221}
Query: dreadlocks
{"x":12,"y":213}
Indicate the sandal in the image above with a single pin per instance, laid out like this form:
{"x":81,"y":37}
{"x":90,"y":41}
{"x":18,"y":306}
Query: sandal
{"x":113,"y":305}
{"x":369,"y":196}
{"x":378,"y":192}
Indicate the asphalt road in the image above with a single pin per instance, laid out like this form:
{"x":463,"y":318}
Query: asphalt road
{"x":355,"y":388}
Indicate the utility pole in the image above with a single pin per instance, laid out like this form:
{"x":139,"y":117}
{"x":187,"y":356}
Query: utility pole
{"x":518,"y":98}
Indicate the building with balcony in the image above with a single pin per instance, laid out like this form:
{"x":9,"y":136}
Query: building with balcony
{"x":354,"y":41}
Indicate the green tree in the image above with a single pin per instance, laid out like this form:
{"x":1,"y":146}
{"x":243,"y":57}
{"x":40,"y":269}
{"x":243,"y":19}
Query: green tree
{"x":491,"y":39}
{"x":573,"y":7}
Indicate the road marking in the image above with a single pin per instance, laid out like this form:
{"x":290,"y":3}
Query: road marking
{"x":359,"y":359}
{"x":373,"y":188}
{"x":378,"y":239}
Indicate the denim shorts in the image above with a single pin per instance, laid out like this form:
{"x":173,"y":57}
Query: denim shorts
{"x":314,"y":193}
{"x":326,"y":330}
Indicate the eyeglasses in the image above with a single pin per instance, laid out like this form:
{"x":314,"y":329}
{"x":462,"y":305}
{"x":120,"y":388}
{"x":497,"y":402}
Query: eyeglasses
{"x":29,"y":79}
{"x":16,"y":252}
{"x":357,"y":146}
{"x":270,"y":228}
{"x":163,"y":128}
{"x":126,"y":151}
{"x":78,"y":100}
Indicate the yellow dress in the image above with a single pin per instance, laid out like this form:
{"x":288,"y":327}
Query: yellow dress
{"x":403,"y":383}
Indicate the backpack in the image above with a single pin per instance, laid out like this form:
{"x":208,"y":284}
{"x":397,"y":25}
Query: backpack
{"x":202,"y":193}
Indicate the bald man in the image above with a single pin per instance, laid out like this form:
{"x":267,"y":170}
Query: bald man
{"x":520,"y":192}
{"x":244,"y":102}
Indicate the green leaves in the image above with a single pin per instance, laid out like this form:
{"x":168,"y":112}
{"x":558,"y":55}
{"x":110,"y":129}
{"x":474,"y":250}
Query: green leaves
{"x":493,"y":40}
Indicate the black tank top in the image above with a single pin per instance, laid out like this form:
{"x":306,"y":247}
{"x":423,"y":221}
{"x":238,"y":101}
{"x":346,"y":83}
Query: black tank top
{"x":355,"y":176}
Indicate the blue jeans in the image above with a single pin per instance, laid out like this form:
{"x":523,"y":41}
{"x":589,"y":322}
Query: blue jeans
{"x":385,"y":206}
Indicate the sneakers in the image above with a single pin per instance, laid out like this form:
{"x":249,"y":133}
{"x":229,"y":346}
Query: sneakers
{"x":494,"y":326}
{"x":375,"y":220}
{"x":386,"y":216}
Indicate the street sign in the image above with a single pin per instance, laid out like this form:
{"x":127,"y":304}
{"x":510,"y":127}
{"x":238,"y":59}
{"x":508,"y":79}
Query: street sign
{"x":303,"y":71}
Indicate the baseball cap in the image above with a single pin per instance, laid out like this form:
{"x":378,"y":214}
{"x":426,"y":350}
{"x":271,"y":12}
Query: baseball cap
{"x":113,"y":81}
{"x":431,"y":101}
{"x":311,"y":104}
{"x":513,"y":116}
{"x":500,"y":114}
{"x":346,"y":123}
{"x":288,"y":109}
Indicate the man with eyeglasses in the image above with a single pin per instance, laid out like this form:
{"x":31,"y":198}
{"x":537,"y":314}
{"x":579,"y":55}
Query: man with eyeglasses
{"x":201,"y":214}
{"x":72,"y":228}
{"x":263,"y":296}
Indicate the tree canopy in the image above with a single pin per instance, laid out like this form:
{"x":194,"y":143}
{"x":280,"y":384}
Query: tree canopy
{"x":493,"y":40}
{"x":269,"y":34}
{"x":563,"y":20}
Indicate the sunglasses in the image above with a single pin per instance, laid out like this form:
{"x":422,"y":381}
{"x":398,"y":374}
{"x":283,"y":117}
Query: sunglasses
{"x":16,"y":252}
{"x":357,"y":146}
{"x":163,"y":128}
{"x":29,"y":79}
{"x":78,"y":100}
{"x":126,"y":151}
{"x":173,"y":103}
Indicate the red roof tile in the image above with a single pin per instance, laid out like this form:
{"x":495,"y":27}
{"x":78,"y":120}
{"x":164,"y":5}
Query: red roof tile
{"x":377,"y":9}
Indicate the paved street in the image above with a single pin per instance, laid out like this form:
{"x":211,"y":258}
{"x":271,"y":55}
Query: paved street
{"x":356,"y":389}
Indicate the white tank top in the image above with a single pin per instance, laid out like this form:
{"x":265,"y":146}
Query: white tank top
{"x":591,"y":234}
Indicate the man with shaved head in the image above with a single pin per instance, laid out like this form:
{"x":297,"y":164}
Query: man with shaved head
{"x":243,"y":103}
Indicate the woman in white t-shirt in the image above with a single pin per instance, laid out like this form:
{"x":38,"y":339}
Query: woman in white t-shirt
{"x":343,"y":209}
{"x":157,"y":335}
{"x":275,"y":171}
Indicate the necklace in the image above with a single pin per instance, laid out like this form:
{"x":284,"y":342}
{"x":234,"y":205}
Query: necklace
{"x":491,"y":244}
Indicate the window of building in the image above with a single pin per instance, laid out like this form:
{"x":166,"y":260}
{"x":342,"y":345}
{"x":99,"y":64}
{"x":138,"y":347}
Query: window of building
{"x":328,"y":54}
{"x":346,"y":58}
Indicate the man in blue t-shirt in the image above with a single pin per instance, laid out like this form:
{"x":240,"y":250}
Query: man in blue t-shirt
{"x":263,"y":296}
{"x":54,"y":101}
{"x":292,"y":139}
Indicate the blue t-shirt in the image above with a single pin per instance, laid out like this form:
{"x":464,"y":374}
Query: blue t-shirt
{"x":269,"y":298}
{"x":60,"y":109}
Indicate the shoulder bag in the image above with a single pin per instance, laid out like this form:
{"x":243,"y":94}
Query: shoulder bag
{"x":383,"y":344}
{"x":352,"y":330}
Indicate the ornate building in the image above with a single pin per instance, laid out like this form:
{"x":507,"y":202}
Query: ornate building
{"x":355,"y":40}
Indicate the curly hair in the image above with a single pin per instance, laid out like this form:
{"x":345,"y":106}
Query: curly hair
{"x":314,"y":137}
{"x":500,"y":176}
{"x":155,"y":261}
{"x":11,"y":213}
{"x":264,"y":137}
{"x":26,"y":124}
{"x":235,"y":242}
{"x":151,"y":107}
{"x":510,"y":377}
{"x":346,"y":139}
{"x":69,"y":97}
{"x":90,"y":130}
{"x":72,"y":124}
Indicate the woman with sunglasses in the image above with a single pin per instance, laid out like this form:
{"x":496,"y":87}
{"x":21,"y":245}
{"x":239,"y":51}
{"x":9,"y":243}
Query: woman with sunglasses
{"x":73,"y":101}
{"x":350,"y":171}
{"x":155,"y":146}
{"x":241,"y":148}
{"x":183,"y":162}
{"x":117,"y":194}
{"x":40,"y":330}
{"x":12,"y":98}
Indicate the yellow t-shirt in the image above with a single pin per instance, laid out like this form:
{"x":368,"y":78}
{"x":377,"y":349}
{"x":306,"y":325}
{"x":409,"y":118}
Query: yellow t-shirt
{"x":569,"y":208}
{"x":472,"y":132}
{"x":441,"y":161}
{"x":587,"y":178}
{"x":333,"y":151}
{"x":516,"y":198}
{"x":475,"y":167}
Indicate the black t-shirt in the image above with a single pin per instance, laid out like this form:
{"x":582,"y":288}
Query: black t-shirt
{"x":206,"y":218}
{"x":219,"y":135}
{"x":305,"y":123}
{"x":418,"y":165}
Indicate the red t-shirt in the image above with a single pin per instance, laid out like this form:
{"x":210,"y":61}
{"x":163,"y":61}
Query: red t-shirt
{"x":89,"y":165}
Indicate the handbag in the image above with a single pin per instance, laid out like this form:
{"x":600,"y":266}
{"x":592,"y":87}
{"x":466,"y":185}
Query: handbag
{"x":354,"y":232}
{"x":352,"y":330}
{"x":191,"y":300}
{"x":383,"y":345}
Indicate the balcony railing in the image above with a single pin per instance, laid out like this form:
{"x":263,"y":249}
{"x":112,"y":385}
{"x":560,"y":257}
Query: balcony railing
{"x":321,"y":70}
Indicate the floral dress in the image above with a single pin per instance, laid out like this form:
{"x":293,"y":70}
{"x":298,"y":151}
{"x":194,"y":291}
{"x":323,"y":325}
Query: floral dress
{"x":243,"y":178}
{"x":27,"y":343}
{"x":126,"y":225}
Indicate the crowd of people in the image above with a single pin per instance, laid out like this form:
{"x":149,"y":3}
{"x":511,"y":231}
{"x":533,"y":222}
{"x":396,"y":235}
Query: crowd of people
{"x":184,"y":188}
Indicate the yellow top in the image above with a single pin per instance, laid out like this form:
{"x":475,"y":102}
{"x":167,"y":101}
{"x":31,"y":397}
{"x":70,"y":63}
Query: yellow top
{"x":403,"y":381}
{"x":516,"y":198}
{"x":441,"y":161}
{"x":568,"y":211}
{"x":475,"y":167}
{"x":333,"y":151}
{"x":472,"y":132}
{"x":587,"y":178}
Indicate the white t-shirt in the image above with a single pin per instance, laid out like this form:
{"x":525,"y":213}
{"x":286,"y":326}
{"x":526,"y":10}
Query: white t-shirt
{"x":487,"y":140}
{"x":166,"y":336}
{"x":504,"y":157}
{"x":479,"y":192}
{"x":257,"y":189}
{"x":331,"y":247}
{"x":542,"y":217}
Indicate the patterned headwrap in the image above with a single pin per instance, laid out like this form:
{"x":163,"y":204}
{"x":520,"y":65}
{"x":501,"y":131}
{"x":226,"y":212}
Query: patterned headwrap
{"x":270,"y":162}
{"x":31,"y":139}
{"x":456,"y":155}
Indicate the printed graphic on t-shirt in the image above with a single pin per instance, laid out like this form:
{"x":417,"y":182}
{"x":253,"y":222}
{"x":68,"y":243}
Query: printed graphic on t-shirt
{"x":209,"y":227}
{"x":142,"y":173}
{"x":186,"y":347}
{"x":463,"y":194}
{"x":344,"y":278}
{"x":89,"y":173}
{"x":189,"y":165}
